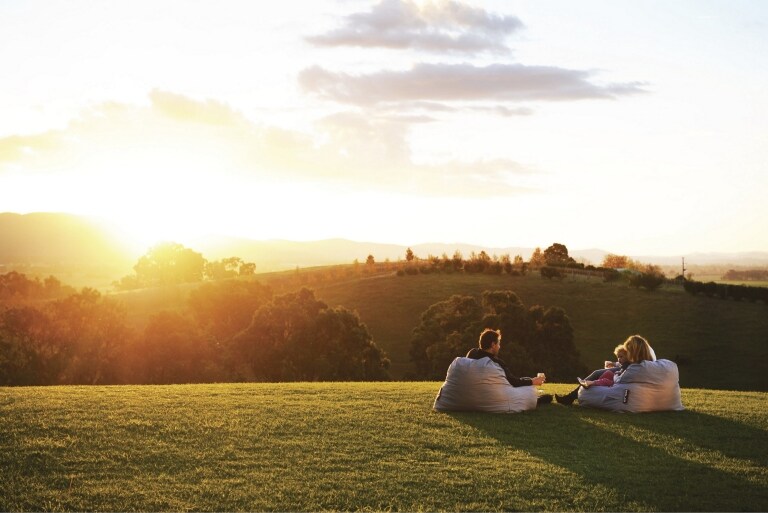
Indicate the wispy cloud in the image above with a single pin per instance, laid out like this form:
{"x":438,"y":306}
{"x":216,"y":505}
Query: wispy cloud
{"x":461,"y":82}
{"x":182,"y":108}
{"x":206,"y":141}
{"x":444,"y":26}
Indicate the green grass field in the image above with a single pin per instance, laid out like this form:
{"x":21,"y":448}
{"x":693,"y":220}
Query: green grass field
{"x":717,"y":344}
{"x":370,"y":447}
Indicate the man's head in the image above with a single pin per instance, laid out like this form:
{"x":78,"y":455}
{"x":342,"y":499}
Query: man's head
{"x":490,"y":341}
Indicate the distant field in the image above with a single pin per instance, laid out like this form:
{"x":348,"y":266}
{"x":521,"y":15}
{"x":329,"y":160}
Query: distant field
{"x":718,"y":344}
{"x":370,"y":447}
{"x":718,"y":278}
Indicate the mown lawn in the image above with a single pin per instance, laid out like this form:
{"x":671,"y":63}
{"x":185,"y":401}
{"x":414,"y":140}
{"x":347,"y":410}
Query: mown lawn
{"x":370,"y":446}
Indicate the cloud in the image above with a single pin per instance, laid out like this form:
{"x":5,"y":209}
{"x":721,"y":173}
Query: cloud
{"x":18,"y":147}
{"x":207,"y":111}
{"x":177,"y":142}
{"x":460,"y":82}
{"x":444,"y":26}
{"x":436,"y":107}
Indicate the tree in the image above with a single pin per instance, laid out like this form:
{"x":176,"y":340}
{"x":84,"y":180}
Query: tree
{"x":611,"y":261}
{"x":442,"y":334}
{"x":370,"y":261}
{"x":457,"y":260}
{"x":16,"y":287}
{"x":537,"y":258}
{"x":226,"y":308}
{"x":478,"y":263}
{"x":169,"y":263}
{"x":557,"y":254}
{"x":90,"y":331}
{"x":504,"y":311}
{"x":247,"y":269}
{"x":296,"y":337}
{"x":74,"y":340}
{"x":24,"y":359}
{"x":551,"y":344}
{"x":173,"y":351}
{"x":534,"y":339}
{"x":223,"y":269}
{"x":409,"y":256}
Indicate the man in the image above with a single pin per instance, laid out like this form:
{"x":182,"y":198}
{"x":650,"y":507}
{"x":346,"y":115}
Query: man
{"x":489,"y":346}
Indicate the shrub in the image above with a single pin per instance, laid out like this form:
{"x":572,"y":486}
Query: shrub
{"x":551,"y":272}
{"x":648,"y":281}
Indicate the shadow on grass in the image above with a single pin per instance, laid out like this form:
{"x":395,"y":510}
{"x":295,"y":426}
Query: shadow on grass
{"x":670,"y":461}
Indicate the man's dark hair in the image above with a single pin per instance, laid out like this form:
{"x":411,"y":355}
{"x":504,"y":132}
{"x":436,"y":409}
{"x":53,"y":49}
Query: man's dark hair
{"x":489,"y":337}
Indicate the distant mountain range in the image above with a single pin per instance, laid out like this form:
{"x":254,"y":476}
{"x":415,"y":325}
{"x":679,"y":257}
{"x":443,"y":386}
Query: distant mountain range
{"x":57,"y":240}
{"x":64,"y":239}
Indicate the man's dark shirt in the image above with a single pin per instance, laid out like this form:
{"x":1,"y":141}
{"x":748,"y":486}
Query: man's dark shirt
{"x":476,"y":353}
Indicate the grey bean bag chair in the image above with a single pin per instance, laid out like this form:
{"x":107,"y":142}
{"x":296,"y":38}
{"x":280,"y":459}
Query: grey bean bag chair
{"x":643,"y":387}
{"x":480,"y":385}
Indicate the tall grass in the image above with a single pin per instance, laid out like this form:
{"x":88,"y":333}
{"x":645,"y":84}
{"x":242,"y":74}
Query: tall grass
{"x":370,"y":446}
{"x":719,"y":344}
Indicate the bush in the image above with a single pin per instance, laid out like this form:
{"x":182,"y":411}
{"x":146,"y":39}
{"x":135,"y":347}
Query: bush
{"x":551,"y":272}
{"x":648,"y":281}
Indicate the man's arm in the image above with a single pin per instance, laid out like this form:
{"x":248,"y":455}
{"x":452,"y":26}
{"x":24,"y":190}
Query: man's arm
{"x":513,"y":380}
{"x":518,"y":382}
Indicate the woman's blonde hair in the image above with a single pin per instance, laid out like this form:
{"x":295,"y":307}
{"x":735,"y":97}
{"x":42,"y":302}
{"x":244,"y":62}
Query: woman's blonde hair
{"x":638,"y":349}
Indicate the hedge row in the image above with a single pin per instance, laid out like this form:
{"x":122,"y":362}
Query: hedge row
{"x":725,"y":291}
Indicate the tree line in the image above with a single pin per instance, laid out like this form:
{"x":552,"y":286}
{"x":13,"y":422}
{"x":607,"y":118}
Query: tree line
{"x":727,"y":290}
{"x":746,"y":275}
{"x":239,"y":330}
{"x":15,"y":287}
{"x":233,"y":328}
{"x":229,"y":331}
{"x":553,"y":263}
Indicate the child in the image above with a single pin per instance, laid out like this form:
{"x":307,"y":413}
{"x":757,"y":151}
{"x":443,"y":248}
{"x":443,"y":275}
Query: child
{"x":605,"y":380}
{"x":601,"y":377}
{"x":605,"y":377}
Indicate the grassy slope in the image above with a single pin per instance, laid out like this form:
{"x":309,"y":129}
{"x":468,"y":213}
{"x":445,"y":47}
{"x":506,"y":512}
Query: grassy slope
{"x":719,"y":344}
{"x":363,"y":446}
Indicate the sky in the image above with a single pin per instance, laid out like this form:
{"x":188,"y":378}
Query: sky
{"x":639,"y":128}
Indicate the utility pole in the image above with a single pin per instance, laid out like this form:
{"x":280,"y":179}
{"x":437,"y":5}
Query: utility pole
{"x":683,"y":269}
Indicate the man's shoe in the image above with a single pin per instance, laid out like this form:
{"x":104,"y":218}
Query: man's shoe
{"x":544,"y":399}
{"x":565,"y":399}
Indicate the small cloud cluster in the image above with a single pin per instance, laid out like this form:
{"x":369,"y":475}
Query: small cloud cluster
{"x":446,"y":27}
{"x":459,"y":82}
{"x":428,"y":91}
{"x":441,"y":27}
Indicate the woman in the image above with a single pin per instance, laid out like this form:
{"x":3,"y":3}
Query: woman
{"x":639,"y":350}
{"x":634,"y":350}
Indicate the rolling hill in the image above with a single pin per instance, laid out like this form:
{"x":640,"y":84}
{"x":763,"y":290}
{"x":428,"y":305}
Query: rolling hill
{"x":717,"y":344}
